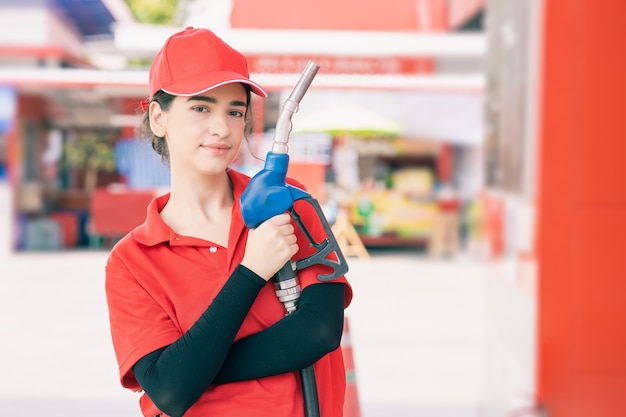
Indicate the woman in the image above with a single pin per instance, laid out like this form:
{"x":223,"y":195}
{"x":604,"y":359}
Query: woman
{"x":195,"y":324}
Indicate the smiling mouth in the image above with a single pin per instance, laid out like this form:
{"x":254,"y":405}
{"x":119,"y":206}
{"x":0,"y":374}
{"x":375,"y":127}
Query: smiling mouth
{"x":216,"y":146}
{"x":216,"y":149}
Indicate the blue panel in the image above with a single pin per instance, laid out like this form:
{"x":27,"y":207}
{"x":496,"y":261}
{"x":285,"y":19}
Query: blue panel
{"x":91,"y":17}
{"x":8,"y":104}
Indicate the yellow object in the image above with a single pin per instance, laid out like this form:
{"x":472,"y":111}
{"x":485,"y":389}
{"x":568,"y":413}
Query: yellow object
{"x":395,"y":213}
{"x":416,"y":182}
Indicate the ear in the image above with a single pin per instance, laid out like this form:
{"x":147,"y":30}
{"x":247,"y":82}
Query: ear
{"x":158,"y":119}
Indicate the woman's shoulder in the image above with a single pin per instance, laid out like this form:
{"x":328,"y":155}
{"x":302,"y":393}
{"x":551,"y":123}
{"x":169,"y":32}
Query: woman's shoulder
{"x":295,"y":183}
{"x":123,"y":249}
{"x":237,"y":176}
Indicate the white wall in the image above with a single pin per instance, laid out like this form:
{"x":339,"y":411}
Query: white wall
{"x":6,"y":219}
{"x":35,"y":26}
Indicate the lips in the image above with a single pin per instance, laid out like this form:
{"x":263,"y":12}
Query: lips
{"x":217,"y":149}
{"x":216,"y":146}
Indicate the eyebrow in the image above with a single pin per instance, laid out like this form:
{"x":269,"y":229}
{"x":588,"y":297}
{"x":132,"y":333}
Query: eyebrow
{"x":212,"y":100}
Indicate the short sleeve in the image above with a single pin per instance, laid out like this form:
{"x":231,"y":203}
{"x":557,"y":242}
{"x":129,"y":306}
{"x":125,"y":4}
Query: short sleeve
{"x":139,"y":324}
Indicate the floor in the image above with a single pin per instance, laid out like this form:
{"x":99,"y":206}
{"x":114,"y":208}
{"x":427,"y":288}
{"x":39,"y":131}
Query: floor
{"x":416,"y":326}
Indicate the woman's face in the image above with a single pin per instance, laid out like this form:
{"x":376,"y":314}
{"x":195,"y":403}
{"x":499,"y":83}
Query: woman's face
{"x":203,"y":132}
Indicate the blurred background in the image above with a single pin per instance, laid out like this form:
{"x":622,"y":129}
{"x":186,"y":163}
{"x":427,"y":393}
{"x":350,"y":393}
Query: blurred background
{"x":483,"y":134}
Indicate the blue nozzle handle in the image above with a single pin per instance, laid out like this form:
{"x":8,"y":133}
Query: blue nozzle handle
{"x":268,"y":194}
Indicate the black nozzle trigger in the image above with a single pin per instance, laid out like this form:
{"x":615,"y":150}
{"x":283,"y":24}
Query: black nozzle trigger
{"x":323,"y":248}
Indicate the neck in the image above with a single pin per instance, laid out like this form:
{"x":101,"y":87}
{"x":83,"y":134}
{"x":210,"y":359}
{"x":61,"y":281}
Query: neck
{"x":203,"y":197}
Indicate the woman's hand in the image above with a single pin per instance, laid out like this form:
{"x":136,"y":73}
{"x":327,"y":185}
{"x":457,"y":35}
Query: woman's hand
{"x":270,"y":246}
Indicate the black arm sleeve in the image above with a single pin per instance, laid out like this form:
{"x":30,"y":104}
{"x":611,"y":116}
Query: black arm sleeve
{"x":175,"y":377}
{"x":295,"y":342}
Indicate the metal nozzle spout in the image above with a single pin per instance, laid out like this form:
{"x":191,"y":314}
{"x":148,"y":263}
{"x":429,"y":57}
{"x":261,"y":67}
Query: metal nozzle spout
{"x":290,"y":106}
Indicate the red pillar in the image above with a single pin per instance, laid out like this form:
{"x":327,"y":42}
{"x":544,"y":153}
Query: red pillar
{"x":582,"y":210}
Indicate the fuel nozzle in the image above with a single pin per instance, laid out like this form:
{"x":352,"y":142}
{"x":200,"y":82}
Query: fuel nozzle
{"x":287,"y":287}
{"x":268,"y":194}
{"x":290,"y":106}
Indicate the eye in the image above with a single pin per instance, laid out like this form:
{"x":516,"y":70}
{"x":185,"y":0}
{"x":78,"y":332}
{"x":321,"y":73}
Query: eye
{"x":237,"y":113}
{"x":200,"y":109}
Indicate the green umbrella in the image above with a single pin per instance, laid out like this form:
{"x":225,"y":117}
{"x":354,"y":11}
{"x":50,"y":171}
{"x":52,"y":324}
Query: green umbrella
{"x":345,"y":118}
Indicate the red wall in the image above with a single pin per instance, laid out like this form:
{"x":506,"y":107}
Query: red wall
{"x":582,"y":210}
{"x":395,"y":15}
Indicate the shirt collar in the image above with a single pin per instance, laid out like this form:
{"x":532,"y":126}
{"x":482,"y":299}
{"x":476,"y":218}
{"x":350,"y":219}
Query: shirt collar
{"x":155,"y":231}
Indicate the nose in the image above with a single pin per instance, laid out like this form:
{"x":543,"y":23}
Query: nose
{"x":218,"y":125}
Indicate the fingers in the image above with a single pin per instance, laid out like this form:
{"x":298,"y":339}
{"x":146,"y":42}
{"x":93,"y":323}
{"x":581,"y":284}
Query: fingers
{"x":286,"y":230}
{"x":270,"y":246}
{"x":285,"y":233}
{"x":280,"y":219}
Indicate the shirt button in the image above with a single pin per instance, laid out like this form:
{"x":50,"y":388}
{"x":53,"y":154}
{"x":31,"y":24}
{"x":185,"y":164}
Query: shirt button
{"x":177,"y":238}
{"x":213,"y":249}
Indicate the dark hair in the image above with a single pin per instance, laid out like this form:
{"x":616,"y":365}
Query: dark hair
{"x":159,"y":144}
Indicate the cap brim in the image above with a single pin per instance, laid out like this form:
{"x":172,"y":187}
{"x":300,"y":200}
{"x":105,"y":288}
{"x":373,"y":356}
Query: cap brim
{"x":204,"y":82}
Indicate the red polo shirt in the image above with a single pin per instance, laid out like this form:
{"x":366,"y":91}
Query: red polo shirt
{"x":158,"y":283}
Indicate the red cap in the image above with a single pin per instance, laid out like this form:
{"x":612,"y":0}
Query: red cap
{"x":194,"y":61}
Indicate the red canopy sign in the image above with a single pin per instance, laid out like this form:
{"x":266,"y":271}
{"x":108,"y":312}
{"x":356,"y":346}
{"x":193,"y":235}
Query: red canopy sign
{"x":292,"y":64}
